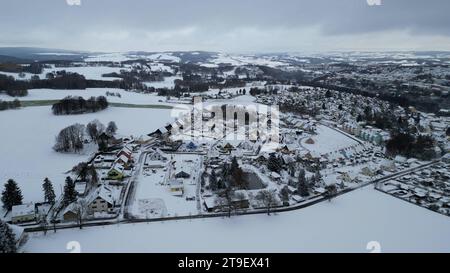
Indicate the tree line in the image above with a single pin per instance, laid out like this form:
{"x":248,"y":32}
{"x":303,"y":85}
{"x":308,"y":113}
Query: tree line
{"x":408,"y":145}
{"x":61,"y":80}
{"x":6,"y":105}
{"x":78,"y":105}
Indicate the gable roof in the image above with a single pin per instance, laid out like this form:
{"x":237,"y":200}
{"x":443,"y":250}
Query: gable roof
{"x":102,"y":192}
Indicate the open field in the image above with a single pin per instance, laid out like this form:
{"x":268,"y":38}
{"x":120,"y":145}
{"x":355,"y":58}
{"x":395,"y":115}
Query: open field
{"x":28,"y":135}
{"x":346,"y":224}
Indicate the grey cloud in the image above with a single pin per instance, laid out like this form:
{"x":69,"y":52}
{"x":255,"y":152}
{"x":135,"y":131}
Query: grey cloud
{"x":139,"y":23}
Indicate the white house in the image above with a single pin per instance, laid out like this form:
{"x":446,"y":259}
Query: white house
{"x":23,"y":213}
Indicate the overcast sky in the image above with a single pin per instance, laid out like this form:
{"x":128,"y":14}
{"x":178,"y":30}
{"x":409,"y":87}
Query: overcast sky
{"x":229,"y":26}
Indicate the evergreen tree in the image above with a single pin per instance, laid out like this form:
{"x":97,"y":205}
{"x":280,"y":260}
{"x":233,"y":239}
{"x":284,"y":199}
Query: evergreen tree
{"x":93,"y":176}
{"x":213,"y":184}
{"x":236,"y":175}
{"x":284,"y":194}
{"x":49,"y":193}
{"x":303,"y":188}
{"x":82,"y":170}
{"x":11,"y":195}
{"x":7,"y":239}
{"x":70,"y":195}
{"x":274,"y":163}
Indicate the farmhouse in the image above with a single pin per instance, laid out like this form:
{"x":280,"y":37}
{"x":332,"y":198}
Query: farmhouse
{"x":101,"y":201}
{"x":240,"y":199}
{"x":116,"y":172}
{"x":176,"y":187}
{"x":23,"y":213}
{"x":70,"y":214}
{"x":182,"y":174}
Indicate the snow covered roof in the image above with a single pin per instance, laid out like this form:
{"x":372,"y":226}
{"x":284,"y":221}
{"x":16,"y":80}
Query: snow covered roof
{"x":123,"y":158}
{"x":117,"y":167}
{"x":275,"y":175}
{"x":400,"y":159}
{"x":80,"y":187}
{"x":102,"y":192}
{"x":175,"y":183}
{"x":71,"y":208}
{"x":23,"y":210}
{"x":17,"y":231}
{"x":210,"y":202}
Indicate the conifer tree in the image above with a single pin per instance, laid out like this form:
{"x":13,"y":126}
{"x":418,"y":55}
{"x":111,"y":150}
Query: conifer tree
{"x":7,"y":239}
{"x":11,"y":195}
{"x":49,"y":193}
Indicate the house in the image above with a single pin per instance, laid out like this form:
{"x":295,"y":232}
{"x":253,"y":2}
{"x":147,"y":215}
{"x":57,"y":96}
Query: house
{"x":345,"y":177}
{"x":275,"y":176}
{"x":80,"y":187}
{"x":123,"y":160}
{"x":263,"y":158}
{"x":446,"y":158}
{"x":228,"y":148}
{"x":159,"y":133}
{"x":116,"y":172}
{"x":101,"y":201}
{"x":246,"y":145}
{"x":23,"y":213}
{"x":157,"y":155}
{"x":176,"y":187}
{"x":182,"y":174}
{"x":70,"y":214}
{"x":240,"y":200}
{"x":388,"y":165}
{"x":367,"y":171}
{"x":287,"y":159}
{"x":99,"y":159}
{"x":400,"y":159}
{"x":20,"y":235}
{"x":210,"y":204}
{"x":288,"y":149}
{"x":125,"y":152}
{"x":191,"y":146}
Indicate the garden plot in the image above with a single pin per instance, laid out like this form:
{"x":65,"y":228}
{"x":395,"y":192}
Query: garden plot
{"x":154,"y":196}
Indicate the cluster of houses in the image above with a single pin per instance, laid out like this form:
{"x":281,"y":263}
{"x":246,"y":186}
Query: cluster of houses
{"x":104,"y":200}
{"x":367,"y":133}
{"x":429,"y":187}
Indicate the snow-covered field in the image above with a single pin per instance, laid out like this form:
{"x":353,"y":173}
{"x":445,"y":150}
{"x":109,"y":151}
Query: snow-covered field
{"x":169,"y":82}
{"x":346,"y":224}
{"x":328,"y":140}
{"x":89,"y":72}
{"x":125,"y":96}
{"x":28,"y":134}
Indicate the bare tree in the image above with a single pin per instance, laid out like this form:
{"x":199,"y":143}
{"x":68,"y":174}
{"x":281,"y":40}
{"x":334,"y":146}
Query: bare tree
{"x":331,"y":191}
{"x":81,"y":208}
{"x":94,"y":129}
{"x":268,"y":198}
{"x":70,"y":139}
